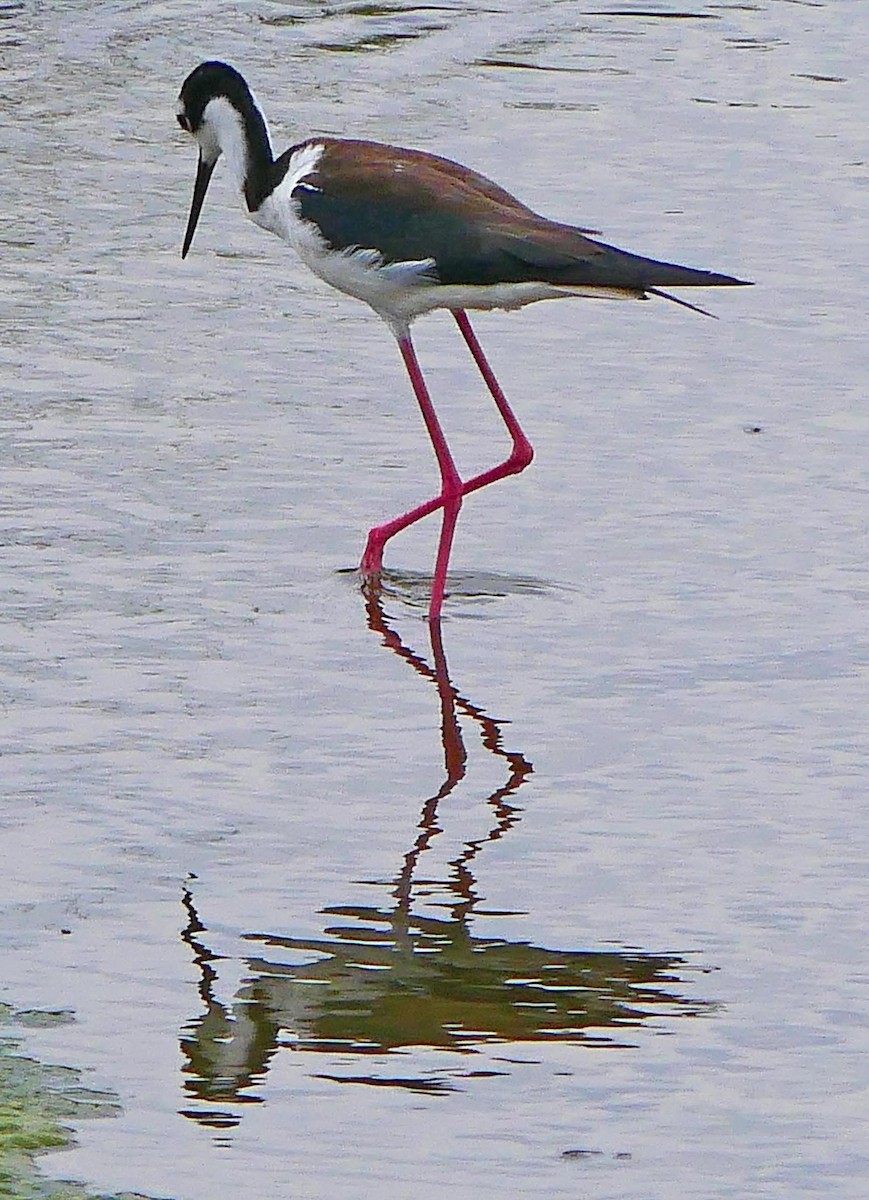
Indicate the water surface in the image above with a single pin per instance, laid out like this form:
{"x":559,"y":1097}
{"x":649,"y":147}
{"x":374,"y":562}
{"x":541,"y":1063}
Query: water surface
{"x":570,"y":901}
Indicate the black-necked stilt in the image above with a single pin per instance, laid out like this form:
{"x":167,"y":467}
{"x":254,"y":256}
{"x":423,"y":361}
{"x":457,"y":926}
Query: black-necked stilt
{"x":409,"y":232}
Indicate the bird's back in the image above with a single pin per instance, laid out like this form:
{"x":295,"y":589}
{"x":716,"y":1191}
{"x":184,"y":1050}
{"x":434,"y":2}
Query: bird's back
{"x":410,"y":206}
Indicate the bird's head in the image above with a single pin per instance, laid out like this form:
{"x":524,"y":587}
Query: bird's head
{"x":217,"y":108}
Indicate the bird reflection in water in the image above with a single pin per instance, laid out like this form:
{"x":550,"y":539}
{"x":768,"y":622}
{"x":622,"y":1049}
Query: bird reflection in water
{"x":387,"y":979}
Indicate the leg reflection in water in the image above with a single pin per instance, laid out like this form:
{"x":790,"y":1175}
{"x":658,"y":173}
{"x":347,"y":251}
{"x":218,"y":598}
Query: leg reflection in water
{"x":516,"y":765}
{"x":385,"y":978}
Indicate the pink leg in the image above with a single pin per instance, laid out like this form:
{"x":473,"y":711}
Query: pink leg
{"x":519,"y":458}
{"x":450,"y":498}
{"x":522,"y":453}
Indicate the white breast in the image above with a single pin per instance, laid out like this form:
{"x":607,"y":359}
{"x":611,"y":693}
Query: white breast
{"x":279,"y":213}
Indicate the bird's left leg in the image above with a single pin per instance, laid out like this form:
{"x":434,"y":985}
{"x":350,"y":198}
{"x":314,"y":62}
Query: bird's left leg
{"x":522,"y":452}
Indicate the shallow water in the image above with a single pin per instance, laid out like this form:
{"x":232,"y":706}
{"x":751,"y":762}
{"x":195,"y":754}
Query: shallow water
{"x":571,"y":902}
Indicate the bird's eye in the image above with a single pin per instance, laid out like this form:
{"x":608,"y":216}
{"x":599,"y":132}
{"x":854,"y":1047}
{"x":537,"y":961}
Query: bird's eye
{"x":184,"y":122}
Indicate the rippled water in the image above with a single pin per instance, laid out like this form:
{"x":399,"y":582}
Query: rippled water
{"x":572,"y":902}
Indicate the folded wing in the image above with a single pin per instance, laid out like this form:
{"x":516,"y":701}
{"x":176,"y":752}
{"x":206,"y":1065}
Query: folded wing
{"x":409,"y":206}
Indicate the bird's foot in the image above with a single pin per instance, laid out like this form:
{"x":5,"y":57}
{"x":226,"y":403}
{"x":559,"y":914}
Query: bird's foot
{"x":372,"y":559}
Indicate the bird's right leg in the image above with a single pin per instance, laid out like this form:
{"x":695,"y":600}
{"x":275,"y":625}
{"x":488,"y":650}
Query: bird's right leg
{"x":450,"y":498}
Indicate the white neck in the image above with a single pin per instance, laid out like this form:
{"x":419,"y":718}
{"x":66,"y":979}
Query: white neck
{"x":223,"y":132}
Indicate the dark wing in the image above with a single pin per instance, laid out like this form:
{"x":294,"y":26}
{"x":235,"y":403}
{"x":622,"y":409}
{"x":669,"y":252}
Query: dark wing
{"x":410,"y":206}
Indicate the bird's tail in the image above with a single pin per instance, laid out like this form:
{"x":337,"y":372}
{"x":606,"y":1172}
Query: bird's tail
{"x":620,"y":268}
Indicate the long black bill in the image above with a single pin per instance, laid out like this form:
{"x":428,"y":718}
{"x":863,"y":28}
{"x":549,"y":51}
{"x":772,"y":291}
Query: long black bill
{"x":204,"y":171}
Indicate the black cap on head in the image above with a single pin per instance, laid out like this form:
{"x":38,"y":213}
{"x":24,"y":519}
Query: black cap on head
{"x":204,"y":83}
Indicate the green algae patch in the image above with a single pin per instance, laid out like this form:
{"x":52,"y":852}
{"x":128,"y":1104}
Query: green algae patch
{"x":38,"y":1104}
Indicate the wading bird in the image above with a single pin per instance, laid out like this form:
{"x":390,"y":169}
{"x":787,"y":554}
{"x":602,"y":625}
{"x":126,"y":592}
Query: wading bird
{"x":409,"y":232}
